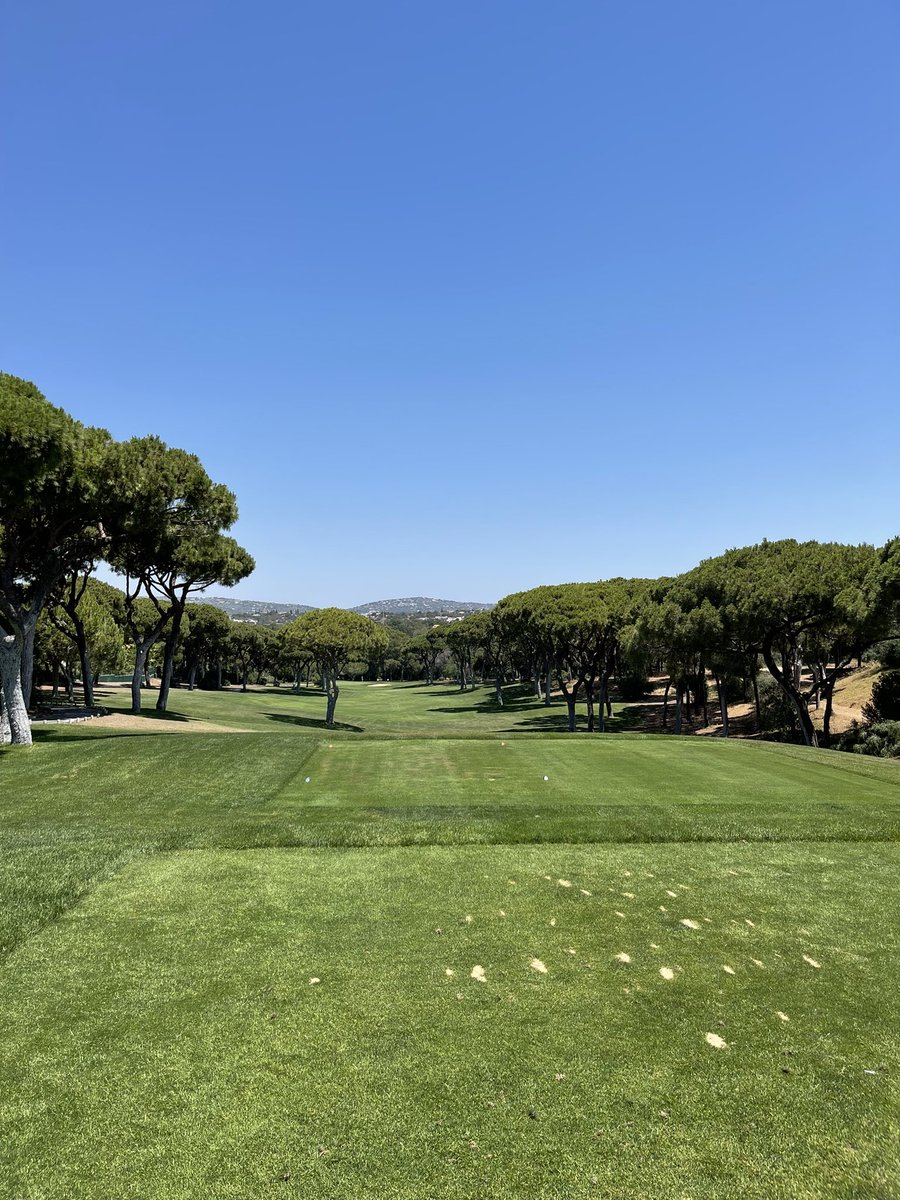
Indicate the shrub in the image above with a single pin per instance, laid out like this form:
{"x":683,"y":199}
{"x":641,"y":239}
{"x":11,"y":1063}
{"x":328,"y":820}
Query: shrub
{"x":776,"y":713}
{"x":881,"y":739}
{"x":632,"y":685}
{"x":885,"y":702}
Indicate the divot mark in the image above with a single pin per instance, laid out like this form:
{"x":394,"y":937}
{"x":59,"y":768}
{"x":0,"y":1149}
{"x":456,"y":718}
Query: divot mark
{"x":729,"y":970}
{"x":667,"y":973}
{"x":812,"y":962}
{"x":620,"y":914}
{"x":669,"y":892}
{"x":717,"y":1043}
{"x":553,"y":921}
{"x":584,"y":892}
{"x":628,"y":895}
{"x":747,"y":921}
{"x":564,"y":882}
{"x":478,"y":974}
{"x":537,"y":965}
{"x":622,"y":957}
{"x":314,"y":979}
{"x":782,"y":1016}
{"x":448,"y":971}
{"x":756,"y":962}
{"x":689,"y":923}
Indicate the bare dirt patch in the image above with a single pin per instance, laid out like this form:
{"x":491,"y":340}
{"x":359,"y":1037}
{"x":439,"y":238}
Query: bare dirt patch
{"x":151,"y":725}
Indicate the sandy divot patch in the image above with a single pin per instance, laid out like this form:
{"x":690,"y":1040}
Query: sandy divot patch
{"x":717,"y":1043}
{"x":689,"y":924}
{"x":812,"y":962}
{"x":478,"y":974}
{"x":622,"y":957}
{"x":667,"y":973}
{"x":782,"y":1016}
{"x":537,"y":965}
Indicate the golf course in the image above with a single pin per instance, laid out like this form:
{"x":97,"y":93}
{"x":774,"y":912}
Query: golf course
{"x":442,"y":950}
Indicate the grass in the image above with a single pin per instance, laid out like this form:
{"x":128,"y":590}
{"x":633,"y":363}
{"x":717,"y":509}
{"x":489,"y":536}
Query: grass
{"x":379,"y":710}
{"x":167,"y":900}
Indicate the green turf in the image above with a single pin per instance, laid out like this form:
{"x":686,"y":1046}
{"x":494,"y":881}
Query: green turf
{"x":168,"y":1034}
{"x":165,"y":899}
{"x":384,"y":710}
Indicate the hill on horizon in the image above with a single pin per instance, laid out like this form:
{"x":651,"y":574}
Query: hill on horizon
{"x":400,"y":606}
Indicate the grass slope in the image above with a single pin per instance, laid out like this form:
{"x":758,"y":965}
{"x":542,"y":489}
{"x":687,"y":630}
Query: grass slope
{"x":166,"y":901}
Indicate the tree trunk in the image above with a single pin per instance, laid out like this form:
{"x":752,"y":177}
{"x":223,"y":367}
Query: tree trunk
{"x":333,"y":692}
{"x":5,"y":731}
{"x":589,"y":698}
{"x":549,"y":688}
{"x":723,"y":702}
{"x":756,"y":703}
{"x":665,"y":716}
{"x":192,"y":676}
{"x":828,"y":688}
{"x":244,"y":680}
{"x":87,"y":674}
{"x":605,"y":706}
{"x":168,"y":667}
{"x":140,"y":662}
{"x":29,"y":625}
{"x":498,"y":689}
{"x":785,"y":680}
{"x":679,"y":702}
{"x":11,"y":683}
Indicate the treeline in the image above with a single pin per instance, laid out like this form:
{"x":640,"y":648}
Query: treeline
{"x":72,"y":496}
{"x":803,"y":611}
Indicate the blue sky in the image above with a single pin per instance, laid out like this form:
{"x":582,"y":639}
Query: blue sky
{"x":464,"y":298}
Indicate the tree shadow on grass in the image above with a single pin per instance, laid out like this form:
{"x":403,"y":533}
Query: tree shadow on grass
{"x":312,"y":723}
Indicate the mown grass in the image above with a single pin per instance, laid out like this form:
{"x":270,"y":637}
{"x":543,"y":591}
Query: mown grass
{"x":164,"y":901}
{"x":381,"y":710}
{"x":167,"y":1038}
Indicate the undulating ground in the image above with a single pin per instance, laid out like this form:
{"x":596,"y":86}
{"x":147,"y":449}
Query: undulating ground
{"x":435,"y":955}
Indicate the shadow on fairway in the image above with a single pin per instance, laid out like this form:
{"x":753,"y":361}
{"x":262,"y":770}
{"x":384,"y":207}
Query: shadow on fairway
{"x":311,"y":723}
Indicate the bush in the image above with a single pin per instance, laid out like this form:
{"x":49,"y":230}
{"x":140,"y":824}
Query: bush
{"x":881,"y":739}
{"x":632,"y":685}
{"x":777,"y":716}
{"x":885,"y":702}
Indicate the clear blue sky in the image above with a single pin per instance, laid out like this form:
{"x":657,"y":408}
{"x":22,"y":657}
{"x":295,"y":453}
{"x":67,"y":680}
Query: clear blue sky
{"x":462,"y":298}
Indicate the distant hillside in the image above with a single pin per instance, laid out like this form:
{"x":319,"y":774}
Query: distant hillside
{"x":259,"y":612}
{"x":424,"y":605}
{"x":267,"y":612}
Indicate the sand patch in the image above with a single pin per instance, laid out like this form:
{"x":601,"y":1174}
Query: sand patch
{"x":782,"y":1016}
{"x":629,"y":895}
{"x":537,"y":965}
{"x":717,"y":1043}
{"x":673,"y":895}
{"x":620,"y":915}
{"x":689,"y":924}
{"x":812,"y":962}
{"x":667,"y":973}
{"x":478,"y":974}
{"x":729,"y":970}
{"x":379,"y":685}
{"x":314,"y":979}
{"x":757,"y":963}
{"x":150,"y":724}
{"x":747,"y":921}
{"x":622,"y":957}
{"x":564,"y":882}
{"x":584,"y":892}
{"x":448,"y":971}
